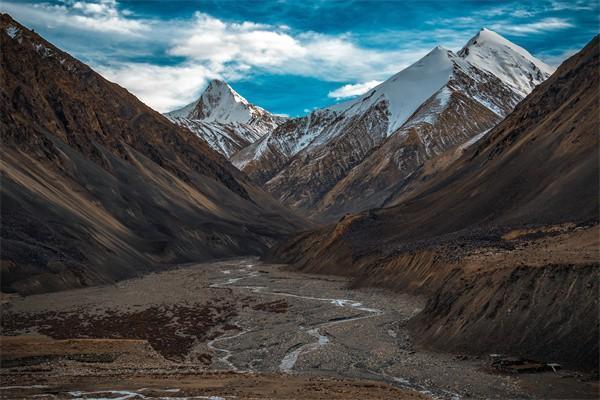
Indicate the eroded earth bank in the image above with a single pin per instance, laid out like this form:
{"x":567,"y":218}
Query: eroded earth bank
{"x":243,"y":329}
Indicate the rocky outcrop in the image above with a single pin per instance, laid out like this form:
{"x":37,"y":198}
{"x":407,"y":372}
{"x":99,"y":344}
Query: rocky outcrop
{"x":96,"y":186}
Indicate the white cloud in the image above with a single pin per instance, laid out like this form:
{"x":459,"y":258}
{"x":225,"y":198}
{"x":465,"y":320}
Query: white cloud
{"x":99,"y":16}
{"x":211,"y":41}
{"x":164,"y":88}
{"x":231,"y":51}
{"x":205,"y":47}
{"x":543,"y":25}
{"x":572,"y":5}
{"x":102,"y":8}
{"x":352,"y":90}
{"x":522,"y":13}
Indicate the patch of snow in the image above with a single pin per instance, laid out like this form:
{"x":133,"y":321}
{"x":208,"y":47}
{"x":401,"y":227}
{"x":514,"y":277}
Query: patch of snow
{"x":184,"y":111}
{"x":12,"y":31}
{"x":250,"y":153}
{"x":309,"y":131}
{"x":317,"y":131}
{"x":262,"y":146}
{"x":489,"y":105}
{"x":42,"y":50}
{"x":122,"y":395}
{"x":126,"y":394}
{"x":23,"y":387}
{"x":439,"y":102}
{"x":473,"y":140}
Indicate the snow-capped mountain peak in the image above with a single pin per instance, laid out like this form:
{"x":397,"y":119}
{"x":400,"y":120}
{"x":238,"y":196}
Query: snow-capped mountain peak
{"x":511,"y":63}
{"x":406,"y":90}
{"x":219,"y":102}
{"x":222,"y":88}
{"x":226,"y":120}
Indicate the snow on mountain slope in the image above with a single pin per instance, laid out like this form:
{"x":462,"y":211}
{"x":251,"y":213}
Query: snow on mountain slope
{"x":183,"y":112}
{"x":406,"y":90}
{"x":472,"y":102}
{"x":513,"y":64}
{"x":400,"y":95}
{"x":268,"y":154}
{"x":314,"y":163}
{"x":224,"y":119}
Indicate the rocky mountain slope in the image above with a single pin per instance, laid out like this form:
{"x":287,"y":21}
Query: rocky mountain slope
{"x":224,"y":119}
{"x":504,"y":240}
{"x":96,"y":186}
{"x":354,"y":155}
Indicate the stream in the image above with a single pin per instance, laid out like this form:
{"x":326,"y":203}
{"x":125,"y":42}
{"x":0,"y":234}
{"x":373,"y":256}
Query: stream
{"x":290,"y":359}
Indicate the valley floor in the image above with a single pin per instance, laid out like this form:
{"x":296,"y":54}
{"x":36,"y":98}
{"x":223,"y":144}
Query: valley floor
{"x":242,"y":329}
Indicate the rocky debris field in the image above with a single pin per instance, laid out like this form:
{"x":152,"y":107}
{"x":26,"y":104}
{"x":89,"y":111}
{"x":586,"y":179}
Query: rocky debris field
{"x":241,"y":328}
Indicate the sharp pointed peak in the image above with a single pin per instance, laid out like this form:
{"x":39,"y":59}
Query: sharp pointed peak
{"x":439,"y":48}
{"x":435,"y":55}
{"x":486,"y":38}
{"x":217,"y":82}
{"x":508,"y":61}
{"x":437,"y":51}
{"x":220,"y":88}
{"x":487,"y":35}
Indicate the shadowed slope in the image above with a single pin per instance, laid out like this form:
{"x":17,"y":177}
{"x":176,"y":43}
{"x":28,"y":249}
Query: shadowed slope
{"x":96,"y":186}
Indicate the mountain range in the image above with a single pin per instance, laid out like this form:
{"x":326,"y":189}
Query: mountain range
{"x":362,"y":153}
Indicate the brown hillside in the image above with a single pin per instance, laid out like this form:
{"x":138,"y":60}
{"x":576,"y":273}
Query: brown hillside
{"x":96,"y":186}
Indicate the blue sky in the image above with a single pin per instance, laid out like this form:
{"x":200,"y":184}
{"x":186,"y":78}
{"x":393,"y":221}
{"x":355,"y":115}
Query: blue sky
{"x":287,"y":56}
